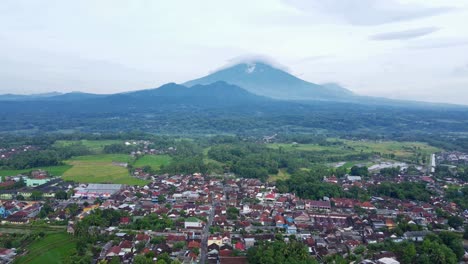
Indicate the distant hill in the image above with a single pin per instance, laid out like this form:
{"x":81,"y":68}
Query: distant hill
{"x":74,"y":96}
{"x":221,"y":107}
{"x":263,"y":79}
{"x":22,"y":97}
{"x":53,"y":96}
{"x":169,"y":96}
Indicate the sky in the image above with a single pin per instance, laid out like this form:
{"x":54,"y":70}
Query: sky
{"x":414,"y":49}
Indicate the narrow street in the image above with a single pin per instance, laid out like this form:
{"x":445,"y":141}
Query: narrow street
{"x":206,"y":234}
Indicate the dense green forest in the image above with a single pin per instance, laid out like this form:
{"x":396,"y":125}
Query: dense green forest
{"x":439,"y":126}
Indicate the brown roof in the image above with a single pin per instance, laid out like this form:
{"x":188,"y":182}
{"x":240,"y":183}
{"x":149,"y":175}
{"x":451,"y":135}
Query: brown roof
{"x":233,"y":260}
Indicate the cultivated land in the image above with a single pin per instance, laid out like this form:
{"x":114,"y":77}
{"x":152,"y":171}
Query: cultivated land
{"x":401,"y":150}
{"x":154,"y":161}
{"x":94,"y":145}
{"x":51,"y":249}
{"x":53,"y":170}
{"x":26,"y":229}
{"x":100,"y":169}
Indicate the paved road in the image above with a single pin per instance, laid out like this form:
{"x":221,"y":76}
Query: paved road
{"x":206,"y":234}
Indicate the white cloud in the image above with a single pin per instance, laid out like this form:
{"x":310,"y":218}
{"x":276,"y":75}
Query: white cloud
{"x":369,"y":12}
{"x":405,"y":34}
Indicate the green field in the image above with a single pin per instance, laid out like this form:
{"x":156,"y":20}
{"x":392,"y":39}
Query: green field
{"x":53,"y":170}
{"x":26,"y":229}
{"x":154,"y":161}
{"x":95,"y":146}
{"x":53,"y":248}
{"x":401,"y":150}
{"x":99,"y":169}
{"x":282,"y":175}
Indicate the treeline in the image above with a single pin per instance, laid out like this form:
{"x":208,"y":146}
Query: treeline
{"x":460,"y":172}
{"x":279,"y":252}
{"x":402,"y":191}
{"x":444,"y":248}
{"x":51,"y":156}
{"x":458,"y":195}
{"x":320,"y":140}
{"x":309,"y":184}
{"x":87,"y":234}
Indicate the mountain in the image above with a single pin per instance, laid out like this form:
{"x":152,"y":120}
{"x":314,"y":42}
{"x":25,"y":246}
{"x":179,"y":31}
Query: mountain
{"x":221,"y":107}
{"x":74,"y":96}
{"x":167,"y":97}
{"x":214,"y":94}
{"x":53,"y":96}
{"x":23,"y":97}
{"x":266,"y":80}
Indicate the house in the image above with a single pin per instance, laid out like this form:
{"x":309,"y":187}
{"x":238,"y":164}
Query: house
{"x":249,"y":242}
{"x":300,"y":205}
{"x":125,"y":220}
{"x":6,"y":253}
{"x":279,"y":221}
{"x":318,"y":205}
{"x":378,"y":224}
{"x":6,"y":195}
{"x":142,"y":238}
{"x":302,"y":217}
{"x":193,"y":222}
{"x":281,"y":201}
{"x":390,"y":224}
{"x":36,"y":182}
{"x":246,"y":209}
{"x":331,"y":179}
{"x":18,"y":218}
{"x":71,"y":227}
{"x":353,"y":178}
{"x":126,"y":246}
{"x":368,"y":206}
{"x":387,"y":261}
{"x":218,"y":240}
{"x":239,"y":246}
{"x":193,"y":244}
{"x":416,"y":235}
{"x":113,"y":251}
{"x":4,"y":212}
{"x":291,"y":229}
{"x":270,"y":197}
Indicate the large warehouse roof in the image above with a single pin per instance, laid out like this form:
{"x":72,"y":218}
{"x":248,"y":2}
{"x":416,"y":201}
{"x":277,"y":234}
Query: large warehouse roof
{"x":102,"y":186}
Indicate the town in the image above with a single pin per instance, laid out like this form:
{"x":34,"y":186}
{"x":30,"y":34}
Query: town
{"x":223,"y":218}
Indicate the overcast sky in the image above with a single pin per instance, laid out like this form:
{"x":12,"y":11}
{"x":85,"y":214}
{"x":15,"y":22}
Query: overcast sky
{"x":398,"y":49}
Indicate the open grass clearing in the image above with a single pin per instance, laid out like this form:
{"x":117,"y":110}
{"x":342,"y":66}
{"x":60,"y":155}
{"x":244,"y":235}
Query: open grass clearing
{"x":100,"y":169}
{"x":281,"y":175}
{"x":154,"y":161}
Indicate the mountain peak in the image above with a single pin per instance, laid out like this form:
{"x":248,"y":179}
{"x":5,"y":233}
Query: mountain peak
{"x":264,"y":79}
